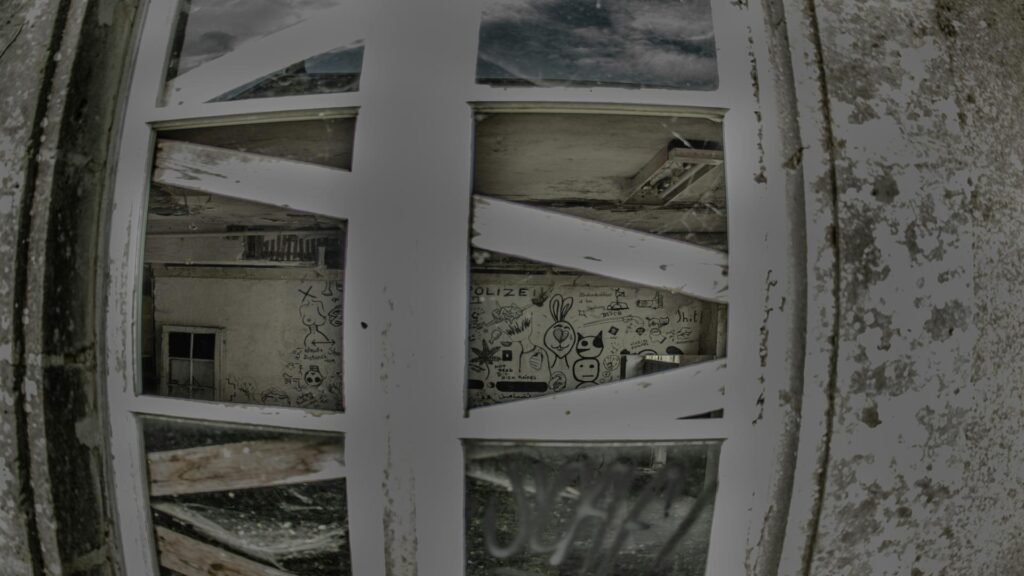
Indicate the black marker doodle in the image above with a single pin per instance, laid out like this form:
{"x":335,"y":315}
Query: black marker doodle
{"x":312,"y":313}
{"x":531,"y":355}
{"x":560,"y":337}
{"x":618,"y":304}
{"x":657,"y":302}
{"x":598,"y":510}
{"x":276,"y":397}
{"x":484,"y":357}
{"x":590,"y":346}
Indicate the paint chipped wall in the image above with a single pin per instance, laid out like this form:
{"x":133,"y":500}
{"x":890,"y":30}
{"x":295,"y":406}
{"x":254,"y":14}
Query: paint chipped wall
{"x":925,"y":456}
{"x":61,"y":66}
{"x":25,"y":29}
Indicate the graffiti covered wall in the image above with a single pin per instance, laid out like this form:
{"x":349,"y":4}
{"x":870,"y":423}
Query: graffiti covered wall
{"x":280,"y":331}
{"x":531,"y":335}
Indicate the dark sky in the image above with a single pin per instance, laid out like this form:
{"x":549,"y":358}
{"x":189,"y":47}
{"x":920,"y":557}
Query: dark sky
{"x":655,"y":43}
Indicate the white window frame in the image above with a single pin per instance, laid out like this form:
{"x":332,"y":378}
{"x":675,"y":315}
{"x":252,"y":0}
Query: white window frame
{"x":165,"y":356}
{"x":405,"y":392}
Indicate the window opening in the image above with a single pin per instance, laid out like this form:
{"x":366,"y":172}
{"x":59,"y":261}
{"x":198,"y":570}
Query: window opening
{"x":270,"y":278}
{"x":190,"y":363}
{"x":582,"y":192}
{"x":225,"y":51}
{"x":605,"y":198}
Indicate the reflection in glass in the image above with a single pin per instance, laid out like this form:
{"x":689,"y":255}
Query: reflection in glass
{"x":537,"y":330}
{"x":326,"y":140}
{"x":589,"y":509}
{"x":327,"y":73}
{"x":662,"y":175}
{"x":633,"y":43}
{"x":246,"y":500}
{"x":210,"y":29}
{"x":242,"y":301}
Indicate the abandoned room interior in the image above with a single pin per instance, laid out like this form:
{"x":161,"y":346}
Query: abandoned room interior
{"x":511,"y":287}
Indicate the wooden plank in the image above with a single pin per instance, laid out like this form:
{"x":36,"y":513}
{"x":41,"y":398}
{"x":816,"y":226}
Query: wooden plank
{"x":264,"y":179}
{"x":327,"y":31}
{"x":245,"y":465}
{"x":260,"y":536}
{"x":194,"y":558}
{"x":593,"y":247}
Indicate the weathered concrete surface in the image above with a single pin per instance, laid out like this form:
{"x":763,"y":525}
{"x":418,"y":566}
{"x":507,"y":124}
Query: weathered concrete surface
{"x":26,"y":30}
{"x":925,"y":468}
{"x":62,"y":69}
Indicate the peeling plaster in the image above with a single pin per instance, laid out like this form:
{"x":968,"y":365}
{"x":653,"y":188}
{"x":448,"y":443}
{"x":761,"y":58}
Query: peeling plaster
{"x":927,"y":442}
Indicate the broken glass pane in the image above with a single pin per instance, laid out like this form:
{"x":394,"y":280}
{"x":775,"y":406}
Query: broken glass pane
{"x":210,"y":29}
{"x":536,"y":329}
{"x":621,"y":509}
{"x":246,"y":500}
{"x":632,"y":43}
{"x":330,"y":72}
{"x":327,"y":141}
{"x":258,"y":288}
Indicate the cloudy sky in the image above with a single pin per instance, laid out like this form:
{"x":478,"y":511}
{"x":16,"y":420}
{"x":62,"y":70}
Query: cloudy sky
{"x":653,"y":43}
{"x":215,"y":27}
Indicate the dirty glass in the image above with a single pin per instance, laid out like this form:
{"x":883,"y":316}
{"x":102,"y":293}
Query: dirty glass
{"x":246,"y":500}
{"x":662,"y":175}
{"x":326,"y":140}
{"x":631,"y":43}
{"x":259,"y":289}
{"x":209,"y":29}
{"x":334,"y":71}
{"x":602,"y":509}
{"x":537,"y":329}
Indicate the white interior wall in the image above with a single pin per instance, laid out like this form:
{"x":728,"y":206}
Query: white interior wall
{"x":280,"y":333}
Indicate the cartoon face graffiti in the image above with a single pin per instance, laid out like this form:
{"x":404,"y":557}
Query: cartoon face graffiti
{"x":586,"y":370}
{"x":590,"y":346}
{"x":313,"y":378}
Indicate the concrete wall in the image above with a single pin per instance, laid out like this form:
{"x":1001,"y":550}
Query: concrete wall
{"x":61,"y":66}
{"x":923,"y":447}
{"x":280,"y":330}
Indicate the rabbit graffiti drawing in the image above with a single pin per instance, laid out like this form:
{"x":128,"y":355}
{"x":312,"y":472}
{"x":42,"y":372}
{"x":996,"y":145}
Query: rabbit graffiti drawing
{"x":560,"y":337}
